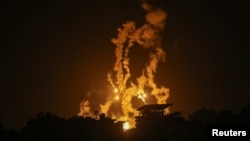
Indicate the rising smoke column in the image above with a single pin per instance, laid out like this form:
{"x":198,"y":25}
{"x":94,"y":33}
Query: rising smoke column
{"x":148,"y":37}
{"x":121,"y":66}
{"x":85,"y":109}
{"x":122,"y":61}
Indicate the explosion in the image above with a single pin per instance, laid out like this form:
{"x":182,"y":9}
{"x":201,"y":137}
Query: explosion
{"x":125,"y":126}
{"x":148,"y":37}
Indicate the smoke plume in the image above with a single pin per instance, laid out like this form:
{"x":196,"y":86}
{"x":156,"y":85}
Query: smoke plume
{"x":84,"y":109}
{"x":148,"y":37}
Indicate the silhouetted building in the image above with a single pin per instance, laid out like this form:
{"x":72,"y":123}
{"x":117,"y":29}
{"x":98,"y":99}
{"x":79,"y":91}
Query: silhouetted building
{"x":151,"y":113}
{"x":153,"y":123}
{"x":153,"y":109}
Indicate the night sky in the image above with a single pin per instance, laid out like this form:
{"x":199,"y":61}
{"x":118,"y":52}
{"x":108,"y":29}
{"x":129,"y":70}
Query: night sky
{"x":52,"y":51}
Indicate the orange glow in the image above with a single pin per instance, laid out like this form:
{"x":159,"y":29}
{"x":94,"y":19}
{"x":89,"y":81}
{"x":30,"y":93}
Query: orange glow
{"x":124,"y":86}
{"x":125,"y":126}
{"x":117,"y":97}
{"x":116,"y":90}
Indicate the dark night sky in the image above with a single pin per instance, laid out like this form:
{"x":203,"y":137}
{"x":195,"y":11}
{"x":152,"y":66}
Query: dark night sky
{"x":52,"y":51}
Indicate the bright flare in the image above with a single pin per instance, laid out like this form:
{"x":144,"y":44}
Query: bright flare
{"x":116,"y":90}
{"x":125,"y":126}
{"x":117,"y":97}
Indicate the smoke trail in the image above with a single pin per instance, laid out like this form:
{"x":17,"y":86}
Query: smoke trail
{"x":151,"y":39}
{"x":126,"y":100}
{"x":130,"y":43}
{"x":84,"y":109}
{"x":105,"y":107}
{"x":110,"y":80}
{"x":148,"y":37}
{"x":121,"y":62}
{"x":140,"y":96}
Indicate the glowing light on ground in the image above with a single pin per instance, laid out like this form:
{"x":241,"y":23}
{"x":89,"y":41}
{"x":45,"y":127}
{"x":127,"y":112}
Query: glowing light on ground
{"x":125,"y":126}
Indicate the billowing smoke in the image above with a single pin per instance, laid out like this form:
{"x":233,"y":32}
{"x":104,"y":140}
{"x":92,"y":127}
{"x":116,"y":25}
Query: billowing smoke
{"x":85,"y":109}
{"x":105,"y":107}
{"x":148,"y":37}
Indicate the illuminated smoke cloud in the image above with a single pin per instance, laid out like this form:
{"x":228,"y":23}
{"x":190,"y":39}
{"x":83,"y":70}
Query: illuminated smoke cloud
{"x":122,"y":62}
{"x":148,"y":37}
{"x":85,"y":109}
{"x":105,"y":107}
{"x":110,"y":80}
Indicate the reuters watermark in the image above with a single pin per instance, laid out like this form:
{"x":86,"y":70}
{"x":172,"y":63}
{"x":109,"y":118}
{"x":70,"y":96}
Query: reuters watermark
{"x":239,"y":132}
{"x":231,"y":133}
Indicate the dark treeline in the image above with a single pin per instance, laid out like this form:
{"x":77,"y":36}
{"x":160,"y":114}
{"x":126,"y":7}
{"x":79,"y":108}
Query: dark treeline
{"x":172,"y":127}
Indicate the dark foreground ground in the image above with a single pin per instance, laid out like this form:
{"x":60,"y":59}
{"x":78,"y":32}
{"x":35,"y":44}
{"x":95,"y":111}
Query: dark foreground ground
{"x":168,"y":128}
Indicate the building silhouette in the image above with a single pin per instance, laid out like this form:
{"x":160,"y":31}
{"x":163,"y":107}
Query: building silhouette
{"x":151,"y":113}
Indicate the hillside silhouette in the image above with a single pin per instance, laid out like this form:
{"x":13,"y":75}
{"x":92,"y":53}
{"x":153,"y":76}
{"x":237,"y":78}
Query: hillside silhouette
{"x":171,"y":127}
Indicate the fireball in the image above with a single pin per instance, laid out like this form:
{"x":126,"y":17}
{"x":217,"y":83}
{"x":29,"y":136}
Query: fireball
{"x":125,"y":126}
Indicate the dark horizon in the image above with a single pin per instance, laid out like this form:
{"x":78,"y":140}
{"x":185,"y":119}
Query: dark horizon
{"x":51,"y":52}
{"x":151,"y":124}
